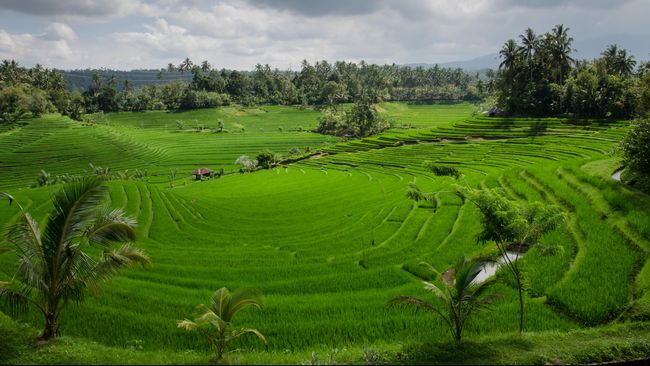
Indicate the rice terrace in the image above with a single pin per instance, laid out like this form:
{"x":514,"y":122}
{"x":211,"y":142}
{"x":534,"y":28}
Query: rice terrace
{"x":340,"y":213}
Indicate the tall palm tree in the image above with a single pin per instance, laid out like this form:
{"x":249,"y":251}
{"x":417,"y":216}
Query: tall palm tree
{"x":53,"y":268}
{"x":529,"y":43}
{"x":215,"y":322}
{"x":205,"y":66}
{"x":186,"y":65}
{"x":461,"y":293}
{"x":610,"y":53}
{"x":509,"y":55}
{"x":561,"y":50}
{"x":625,"y":63}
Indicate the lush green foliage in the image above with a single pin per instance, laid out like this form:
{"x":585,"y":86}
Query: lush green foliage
{"x":636,"y":154}
{"x":39,"y":90}
{"x":215,"y":322}
{"x":538,"y":76}
{"x":462,"y":295}
{"x":361,"y":120}
{"x":53,"y":268}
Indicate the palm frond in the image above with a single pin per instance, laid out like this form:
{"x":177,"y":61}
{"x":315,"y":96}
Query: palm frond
{"x":74,"y":209}
{"x":220,"y":301}
{"x":435,"y":290}
{"x":114,"y":260}
{"x":111,"y":226}
{"x":243,"y":331}
{"x":187,"y":324}
{"x":241,"y":299}
{"x":9,"y":197}
{"x":411,"y":301}
{"x":429,"y":267}
{"x":25,"y":236}
{"x":14,"y":299}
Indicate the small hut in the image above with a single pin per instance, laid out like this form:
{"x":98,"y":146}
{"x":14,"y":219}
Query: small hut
{"x":199,"y":174}
{"x":494,"y":111}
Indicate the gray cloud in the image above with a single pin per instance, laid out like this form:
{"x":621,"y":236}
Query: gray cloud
{"x":588,"y":4}
{"x":321,"y":8}
{"x":240,"y":33}
{"x":83,"y":8}
{"x":347,"y":8}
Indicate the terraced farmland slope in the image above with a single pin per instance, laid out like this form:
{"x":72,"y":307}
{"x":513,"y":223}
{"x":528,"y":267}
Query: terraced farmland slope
{"x":330,"y":239}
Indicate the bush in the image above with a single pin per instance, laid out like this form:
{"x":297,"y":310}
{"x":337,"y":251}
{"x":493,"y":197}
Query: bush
{"x":361,"y":121}
{"x":636,"y":153}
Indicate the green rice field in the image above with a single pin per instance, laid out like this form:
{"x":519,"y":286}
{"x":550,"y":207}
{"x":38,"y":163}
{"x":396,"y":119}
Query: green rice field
{"x":329,"y":239}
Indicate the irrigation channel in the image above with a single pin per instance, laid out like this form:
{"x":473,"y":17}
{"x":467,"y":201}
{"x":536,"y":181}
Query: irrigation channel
{"x":490,"y":268}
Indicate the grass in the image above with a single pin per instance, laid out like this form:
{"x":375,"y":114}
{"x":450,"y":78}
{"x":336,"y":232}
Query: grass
{"x":617,"y":342}
{"x":328,"y":241}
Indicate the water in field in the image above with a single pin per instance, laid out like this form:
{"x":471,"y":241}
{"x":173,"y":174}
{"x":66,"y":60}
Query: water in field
{"x":617,"y":175}
{"x":491,"y":268}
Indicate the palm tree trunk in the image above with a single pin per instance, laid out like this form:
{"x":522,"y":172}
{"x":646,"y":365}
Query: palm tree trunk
{"x":51,"y":327}
{"x":221,"y":345}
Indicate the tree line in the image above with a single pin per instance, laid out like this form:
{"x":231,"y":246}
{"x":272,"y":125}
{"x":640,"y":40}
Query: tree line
{"x":539,"y":76}
{"x":39,"y":90}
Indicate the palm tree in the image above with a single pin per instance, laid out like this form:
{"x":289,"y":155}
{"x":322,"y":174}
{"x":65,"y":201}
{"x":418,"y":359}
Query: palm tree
{"x":561,"y":50}
{"x":624,"y":63}
{"x":171,"y":67}
{"x":215,"y":322}
{"x":186,"y":65}
{"x":509,"y":55}
{"x":205,"y":66}
{"x":461,"y":294}
{"x":610,"y":54}
{"x":529,"y":43}
{"x":53,"y":268}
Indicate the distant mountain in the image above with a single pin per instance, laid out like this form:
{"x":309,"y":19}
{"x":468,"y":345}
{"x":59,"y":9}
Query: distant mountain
{"x":490,"y":61}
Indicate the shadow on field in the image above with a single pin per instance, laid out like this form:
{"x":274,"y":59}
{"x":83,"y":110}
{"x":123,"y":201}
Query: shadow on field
{"x":436,"y":102}
{"x":538,"y":128}
{"x":468,"y":352}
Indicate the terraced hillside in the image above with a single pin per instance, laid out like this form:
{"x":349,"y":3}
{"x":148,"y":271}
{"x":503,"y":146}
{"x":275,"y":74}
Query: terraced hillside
{"x":330,"y":239}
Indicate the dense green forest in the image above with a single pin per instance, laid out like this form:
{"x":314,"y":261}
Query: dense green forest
{"x":538,"y":76}
{"x":39,"y":90}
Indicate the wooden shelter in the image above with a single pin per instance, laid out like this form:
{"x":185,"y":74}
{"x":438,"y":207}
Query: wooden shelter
{"x":199,"y":174}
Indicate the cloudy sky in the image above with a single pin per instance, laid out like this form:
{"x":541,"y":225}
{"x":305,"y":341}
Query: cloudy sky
{"x":237,"y":34}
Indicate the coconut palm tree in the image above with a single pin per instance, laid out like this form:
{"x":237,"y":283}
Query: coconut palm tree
{"x":205,"y":66}
{"x":561,"y":50}
{"x":509,"y":54}
{"x":529,"y":43}
{"x":186,"y":65}
{"x":461,"y":294}
{"x":215,"y":322}
{"x":624,"y":63}
{"x":53,"y":268}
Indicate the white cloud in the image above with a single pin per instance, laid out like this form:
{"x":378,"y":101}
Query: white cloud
{"x":89,"y":9}
{"x":240,"y":33}
{"x":59,"y":31}
{"x":30,"y":49}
